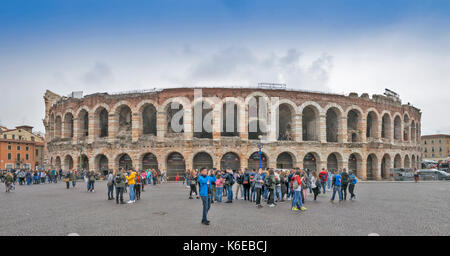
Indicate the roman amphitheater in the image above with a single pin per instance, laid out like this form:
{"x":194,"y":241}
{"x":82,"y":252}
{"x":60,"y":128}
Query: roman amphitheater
{"x":102,"y":131}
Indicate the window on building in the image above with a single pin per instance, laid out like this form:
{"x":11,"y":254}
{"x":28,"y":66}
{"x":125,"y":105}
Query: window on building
{"x":440,"y":149}
{"x":20,"y":137}
{"x":26,"y":157}
{"x":32,"y":138}
{"x":9,"y":156}
{"x":5,"y":136}
{"x":18,"y":157}
{"x":425,"y":142}
{"x":432,"y":142}
{"x":14,"y":137}
{"x":18,"y":147}
{"x":37,"y":152}
{"x":9,"y":147}
{"x":26,"y":148}
{"x":425,"y":150}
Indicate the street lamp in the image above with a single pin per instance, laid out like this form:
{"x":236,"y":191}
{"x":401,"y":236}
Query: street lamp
{"x":260,"y":146}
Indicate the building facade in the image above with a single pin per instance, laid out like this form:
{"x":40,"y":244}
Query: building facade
{"x":20,"y":148}
{"x":369,"y":135}
{"x":435,"y":147}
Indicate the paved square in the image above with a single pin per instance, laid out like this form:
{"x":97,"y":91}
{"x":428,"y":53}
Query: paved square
{"x":381,"y":207}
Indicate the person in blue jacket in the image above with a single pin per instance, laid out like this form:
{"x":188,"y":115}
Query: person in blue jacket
{"x":336,"y":185}
{"x":205,"y":192}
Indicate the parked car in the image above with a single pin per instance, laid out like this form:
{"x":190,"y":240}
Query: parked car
{"x":433,"y":174}
{"x":402,"y":174}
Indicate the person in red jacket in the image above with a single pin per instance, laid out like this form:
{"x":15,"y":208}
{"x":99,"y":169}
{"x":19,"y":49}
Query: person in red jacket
{"x":323,"y":176}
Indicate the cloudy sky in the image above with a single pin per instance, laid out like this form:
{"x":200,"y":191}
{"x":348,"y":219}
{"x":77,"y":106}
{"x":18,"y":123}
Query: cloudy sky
{"x":333,"y":46}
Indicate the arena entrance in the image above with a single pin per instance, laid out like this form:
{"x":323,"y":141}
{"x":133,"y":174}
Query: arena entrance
{"x":175,"y":165}
{"x":284,"y":161}
{"x":149,"y":162}
{"x":253,"y":161}
{"x":125,"y":162}
{"x":202,"y":160}
{"x":230,"y":161}
{"x":309,"y":162}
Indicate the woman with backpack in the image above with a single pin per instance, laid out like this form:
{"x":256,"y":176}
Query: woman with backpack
{"x":239,"y":180}
{"x":306,"y":183}
{"x":110,"y":185}
{"x":270,"y":183}
{"x":246,"y":184}
{"x":345,"y":180}
{"x":297,"y":188}
{"x":315,"y":185}
{"x":219,"y":187}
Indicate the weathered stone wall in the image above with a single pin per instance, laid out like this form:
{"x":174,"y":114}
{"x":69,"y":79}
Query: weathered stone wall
{"x":62,"y":146}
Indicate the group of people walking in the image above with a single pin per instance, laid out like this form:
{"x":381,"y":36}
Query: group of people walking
{"x":270,"y":185}
{"x":28,"y":177}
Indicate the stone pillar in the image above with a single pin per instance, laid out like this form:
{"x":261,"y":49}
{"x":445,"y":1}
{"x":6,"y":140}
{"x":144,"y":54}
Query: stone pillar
{"x":362,"y":173}
{"x":136,"y":126}
{"x":342,"y":133}
{"x":161,"y":125}
{"x":378,"y":135}
{"x":321,"y":164}
{"x":243,"y":122}
{"x":91,"y":129}
{"x":137,"y":163}
{"x":111,"y":163}
{"x":112,"y":127}
{"x":216,"y":125}
{"x":298,"y":136}
{"x":92,"y":166}
{"x":322,"y":129}
{"x":188,"y":124}
{"x":363,"y":130}
{"x":76,"y":131}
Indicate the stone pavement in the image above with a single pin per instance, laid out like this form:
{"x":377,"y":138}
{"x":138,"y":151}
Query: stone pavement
{"x":386,"y":208}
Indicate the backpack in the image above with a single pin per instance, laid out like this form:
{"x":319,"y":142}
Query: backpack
{"x":295,"y":184}
{"x":338,"y":180}
{"x":252,"y":178}
{"x":345,"y":178}
{"x":246,"y":179}
{"x":267,"y":181}
{"x":306,"y":182}
{"x":318,"y":183}
{"x":353,"y":180}
{"x":117,"y":179}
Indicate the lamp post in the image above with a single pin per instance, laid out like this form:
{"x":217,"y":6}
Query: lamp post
{"x":260,"y":146}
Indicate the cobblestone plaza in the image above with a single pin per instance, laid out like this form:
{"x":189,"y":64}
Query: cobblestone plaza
{"x":385,"y":208}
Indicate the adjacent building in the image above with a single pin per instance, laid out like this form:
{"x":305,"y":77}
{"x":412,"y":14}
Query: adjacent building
{"x":21,"y":148}
{"x":435,"y":147}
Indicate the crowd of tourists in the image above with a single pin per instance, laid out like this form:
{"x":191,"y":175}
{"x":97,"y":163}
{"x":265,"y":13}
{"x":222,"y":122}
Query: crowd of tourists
{"x":269,"y":185}
{"x":28,"y":177}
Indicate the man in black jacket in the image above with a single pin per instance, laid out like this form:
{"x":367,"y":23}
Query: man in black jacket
{"x":345,"y":181}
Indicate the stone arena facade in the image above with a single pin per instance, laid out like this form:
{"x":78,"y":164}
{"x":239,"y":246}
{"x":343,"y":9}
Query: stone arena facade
{"x":102,"y":131}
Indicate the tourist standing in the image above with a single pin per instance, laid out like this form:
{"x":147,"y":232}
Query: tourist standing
{"x":229,"y":181}
{"x":239,"y":180}
{"x":345,"y":180}
{"x":315,"y":185}
{"x":219,"y":187}
{"x":246,"y":184}
{"x":351,"y":186}
{"x":67,"y":180}
{"x":110,"y":185}
{"x":9,"y":179}
{"x":323,"y":175}
{"x":269,"y":182}
{"x":131,"y":182}
{"x":205,"y":193}
{"x":91,"y":181}
{"x":336,"y":185}
{"x":258,"y":187}
{"x":119,"y":181}
{"x":193,"y":184}
{"x":297,"y":188}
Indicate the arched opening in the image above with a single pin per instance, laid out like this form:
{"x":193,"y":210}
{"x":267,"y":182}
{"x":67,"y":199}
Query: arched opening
{"x":372,"y":167}
{"x":285,"y":122}
{"x":386,"y":128}
{"x":125,"y":162}
{"x":58,"y":163}
{"x":253,"y":161}
{"x":397,"y":161}
{"x":310,"y":162}
{"x":413,"y":131}
{"x":285,"y":161}
{"x":68,"y":162}
{"x":58,"y":127}
{"x":397,"y":128}
{"x":83,"y":124}
{"x":354,"y":124}
{"x":84,"y":162}
{"x":149,"y":119}
{"x":202,"y":160}
{"x":355,"y":164}
{"x":407,"y":162}
{"x":202,"y":119}
{"x":372,"y":125}
{"x":332,"y":162}
{"x":68,"y":125}
{"x":332,"y":124}
{"x":125,"y":121}
{"x":230,"y":161}
{"x":102,"y":123}
{"x":257,"y":117}
{"x":406,"y":128}
{"x":310,"y":124}
{"x":102,"y":164}
{"x":230,"y":119}
{"x":385,"y":166}
{"x":175,"y":118}
{"x":175,"y":165}
{"x":149,"y":162}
